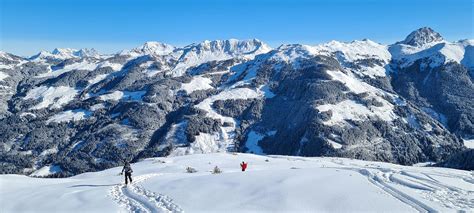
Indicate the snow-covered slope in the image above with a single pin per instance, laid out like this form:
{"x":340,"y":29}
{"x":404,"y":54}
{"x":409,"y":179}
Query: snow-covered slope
{"x":271,"y":183}
{"x":437,"y":53}
{"x":367,"y":57}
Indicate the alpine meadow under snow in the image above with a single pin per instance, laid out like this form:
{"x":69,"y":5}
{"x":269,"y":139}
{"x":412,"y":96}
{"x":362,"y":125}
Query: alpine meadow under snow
{"x":272,"y":183}
{"x":337,"y":126}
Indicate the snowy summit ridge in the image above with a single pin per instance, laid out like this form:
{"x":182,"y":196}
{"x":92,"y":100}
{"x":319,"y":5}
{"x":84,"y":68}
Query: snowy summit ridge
{"x":65,"y":53}
{"x":153,"y":47}
{"x":422,"y":37}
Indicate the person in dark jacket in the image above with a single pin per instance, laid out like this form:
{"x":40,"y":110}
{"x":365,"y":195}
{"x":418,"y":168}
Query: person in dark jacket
{"x":128,"y":172}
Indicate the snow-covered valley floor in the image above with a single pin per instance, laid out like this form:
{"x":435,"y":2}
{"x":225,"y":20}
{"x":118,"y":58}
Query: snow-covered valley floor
{"x":271,"y":183}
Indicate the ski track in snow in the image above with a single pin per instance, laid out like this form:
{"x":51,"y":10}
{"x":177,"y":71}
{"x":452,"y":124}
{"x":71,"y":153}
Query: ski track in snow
{"x":427,"y":187}
{"x":137,"y":199}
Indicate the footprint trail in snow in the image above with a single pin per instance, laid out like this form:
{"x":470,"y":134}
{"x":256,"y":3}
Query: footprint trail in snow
{"x":137,"y":199}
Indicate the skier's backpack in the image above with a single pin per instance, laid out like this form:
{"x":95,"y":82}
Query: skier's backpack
{"x":128,"y":168}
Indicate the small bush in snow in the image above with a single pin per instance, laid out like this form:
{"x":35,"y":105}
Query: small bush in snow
{"x":159,"y":161}
{"x":266,"y":160}
{"x":216,"y":170}
{"x":190,"y":170}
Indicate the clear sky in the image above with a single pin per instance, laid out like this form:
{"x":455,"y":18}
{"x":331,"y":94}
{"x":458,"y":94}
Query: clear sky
{"x":28,"y":26}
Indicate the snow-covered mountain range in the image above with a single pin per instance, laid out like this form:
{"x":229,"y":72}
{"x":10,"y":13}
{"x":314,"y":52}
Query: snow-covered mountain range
{"x":70,"y":111}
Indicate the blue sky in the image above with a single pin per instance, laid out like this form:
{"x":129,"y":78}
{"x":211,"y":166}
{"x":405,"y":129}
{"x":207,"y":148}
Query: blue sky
{"x":28,"y":26}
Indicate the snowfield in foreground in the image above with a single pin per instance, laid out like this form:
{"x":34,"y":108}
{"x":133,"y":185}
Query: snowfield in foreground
{"x":271,"y":183}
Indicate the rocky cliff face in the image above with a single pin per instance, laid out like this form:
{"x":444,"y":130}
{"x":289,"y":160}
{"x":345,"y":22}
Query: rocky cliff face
{"x":80,"y":111}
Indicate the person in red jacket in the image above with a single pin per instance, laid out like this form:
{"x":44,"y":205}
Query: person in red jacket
{"x":243,"y":165}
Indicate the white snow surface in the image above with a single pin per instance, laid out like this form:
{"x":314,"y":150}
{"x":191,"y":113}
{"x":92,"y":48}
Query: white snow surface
{"x":197,"y":83}
{"x":49,"y":151}
{"x":469,"y":143}
{"x":123,"y":95}
{"x":291,"y":53}
{"x":97,"y":79}
{"x":114,"y":66}
{"x":335,"y":145}
{"x":96,"y":107}
{"x":24,"y":114}
{"x":3,"y":76}
{"x":115,"y":96}
{"x":356,"y":50}
{"x":46,"y":170}
{"x":270,"y":184}
{"x":69,"y":115}
{"x":351,"y":110}
{"x":5,"y":66}
{"x":53,"y":97}
{"x":238,"y":93}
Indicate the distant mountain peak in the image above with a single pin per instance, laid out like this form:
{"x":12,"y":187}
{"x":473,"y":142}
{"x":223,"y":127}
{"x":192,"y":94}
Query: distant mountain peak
{"x":58,"y":51}
{"x":65,"y":53}
{"x":232,"y":46}
{"x":154,"y":47}
{"x":422,"y":37}
{"x":86,"y":52}
{"x":206,"y":51}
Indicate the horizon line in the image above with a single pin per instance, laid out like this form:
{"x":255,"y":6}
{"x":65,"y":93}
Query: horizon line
{"x":107,"y":50}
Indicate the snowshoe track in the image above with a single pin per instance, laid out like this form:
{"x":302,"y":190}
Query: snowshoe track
{"x":424,"y":184}
{"x":380,"y":182}
{"x":137,"y":199}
